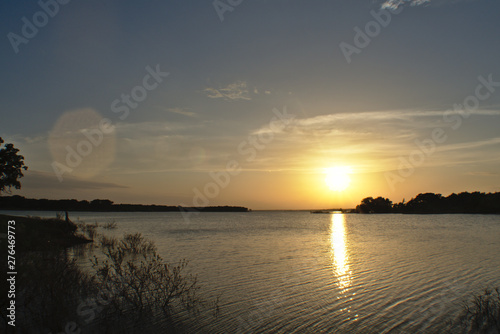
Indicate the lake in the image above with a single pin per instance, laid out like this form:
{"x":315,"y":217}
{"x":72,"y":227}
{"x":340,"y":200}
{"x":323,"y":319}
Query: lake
{"x":296,"y":272}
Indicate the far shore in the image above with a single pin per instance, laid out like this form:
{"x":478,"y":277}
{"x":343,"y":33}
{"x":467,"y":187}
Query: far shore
{"x":21,"y":203}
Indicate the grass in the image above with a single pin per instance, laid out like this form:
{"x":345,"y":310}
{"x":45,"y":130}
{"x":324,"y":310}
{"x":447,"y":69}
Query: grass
{"x":88,"y":230}
{"x":107,"y":242}
{"x":110,"y":225}
{"x":482,"y":313}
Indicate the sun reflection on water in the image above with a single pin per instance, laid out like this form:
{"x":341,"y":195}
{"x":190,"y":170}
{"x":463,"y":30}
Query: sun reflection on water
{"x":339,"y":254}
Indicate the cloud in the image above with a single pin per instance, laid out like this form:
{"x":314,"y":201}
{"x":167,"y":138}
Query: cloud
{"x":480,"y":173}
{"x":391,"y":115}
{"x":372,"y":140}
{"x":141,"y":129}
{"x":236,"y":91}
{"x":470,"y":145}
{"x":180,"y":111}
{"x":366,"y":127}
{"x":36,"y":139}
{"x":152,"y":147}
{"x":395,"y":4}
{"x":42,"y":180}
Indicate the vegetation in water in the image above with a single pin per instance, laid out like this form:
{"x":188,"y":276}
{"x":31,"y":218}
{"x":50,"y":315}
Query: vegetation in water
{"x":129,"y":288}
{"x":482,"y":313}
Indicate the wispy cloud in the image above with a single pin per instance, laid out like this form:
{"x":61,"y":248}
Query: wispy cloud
{"x":180,"y":111}
{"x":375,"y":140}
{"x":42,"y":180}
{"x":395,"y":4}
{"x":391,"y":115}
{"x":470,"y":145}
{"x":481,"y":173}
{"x":166,"y":146}
{"x":236,"y":91}
{"x":154,"y":128}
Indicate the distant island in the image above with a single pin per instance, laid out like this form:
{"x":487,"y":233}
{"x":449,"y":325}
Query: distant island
{"x":17,"y":202}
{"x":430,"y":203}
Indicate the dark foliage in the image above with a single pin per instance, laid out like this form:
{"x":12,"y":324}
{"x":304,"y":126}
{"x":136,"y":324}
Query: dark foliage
{"x":482,"y":313}
{"x":11,"y":167}
{"x":35,"y":234}
{"x":375,"y":205}
{"x":429,"y":203}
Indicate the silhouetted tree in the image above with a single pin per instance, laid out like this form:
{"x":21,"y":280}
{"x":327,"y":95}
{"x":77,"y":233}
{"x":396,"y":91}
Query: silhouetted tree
{"x":11,"y":167}
{"x":427,"y":203}
{"x":465,"y":202}
{"x":375,"y":205}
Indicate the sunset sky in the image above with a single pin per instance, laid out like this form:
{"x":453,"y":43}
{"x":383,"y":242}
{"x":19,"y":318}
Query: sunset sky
{"x":182,"y":89}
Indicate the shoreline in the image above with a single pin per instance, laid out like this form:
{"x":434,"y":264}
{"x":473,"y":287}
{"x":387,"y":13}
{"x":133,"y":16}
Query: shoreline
{"x":40,"y":234}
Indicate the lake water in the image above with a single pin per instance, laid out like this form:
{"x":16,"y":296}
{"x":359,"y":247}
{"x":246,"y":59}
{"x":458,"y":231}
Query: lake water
{"x":296,"y":272}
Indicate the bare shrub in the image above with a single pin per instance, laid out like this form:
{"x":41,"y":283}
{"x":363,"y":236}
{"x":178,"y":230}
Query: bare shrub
{"x":142,"y":284}
{"x":110,"y":225}
{"x":482,"y":313}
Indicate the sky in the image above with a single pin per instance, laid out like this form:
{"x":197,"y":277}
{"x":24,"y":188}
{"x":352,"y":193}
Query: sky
{"x":251,"y":103}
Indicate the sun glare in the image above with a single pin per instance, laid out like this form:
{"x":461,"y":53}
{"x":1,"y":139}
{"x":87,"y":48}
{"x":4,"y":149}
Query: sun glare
{"x":337,"y":178}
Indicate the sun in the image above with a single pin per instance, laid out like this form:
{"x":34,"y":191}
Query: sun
{"x":337,"y":178}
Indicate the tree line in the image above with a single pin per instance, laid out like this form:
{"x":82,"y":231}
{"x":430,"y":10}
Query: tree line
{"x":429,"y":203}
{"x":17,"y":202}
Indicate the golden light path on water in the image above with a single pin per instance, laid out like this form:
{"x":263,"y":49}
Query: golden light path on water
{"x":339,"y":253}
{"x":340,"y":261}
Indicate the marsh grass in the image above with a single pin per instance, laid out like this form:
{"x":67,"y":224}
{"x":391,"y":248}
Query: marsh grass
{"x":110,"y":225}
{"x":107,"y":242}
{"x":482,"y":313}
{"x":88,"y":230}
